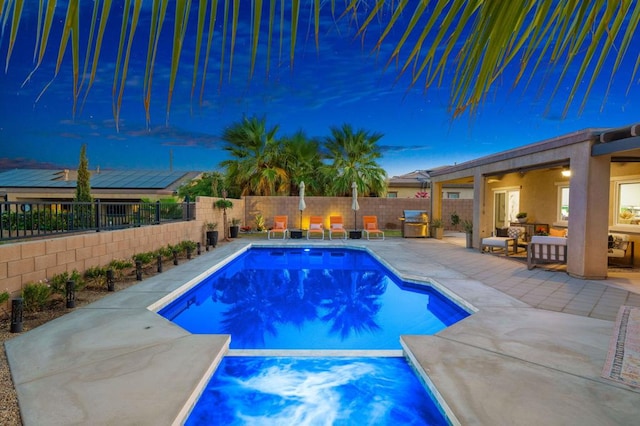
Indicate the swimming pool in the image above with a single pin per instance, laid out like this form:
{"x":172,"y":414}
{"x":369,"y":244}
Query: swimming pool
{"x":311,"y":298}
{"x":316,"y":299}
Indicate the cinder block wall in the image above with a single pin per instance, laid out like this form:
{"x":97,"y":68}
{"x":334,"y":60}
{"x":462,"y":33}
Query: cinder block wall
{"x":463,"y":207}
{"x":32,"y":261}
{"x":388,"y":210}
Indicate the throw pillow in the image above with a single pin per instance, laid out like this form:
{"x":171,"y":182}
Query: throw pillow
{"x":315,"y":226}
{"x":557,"y":232}
{"x":514,"y":233}
{"x":371,"y":226}
{"x":336,"y":226}
{"x":279,"y":225}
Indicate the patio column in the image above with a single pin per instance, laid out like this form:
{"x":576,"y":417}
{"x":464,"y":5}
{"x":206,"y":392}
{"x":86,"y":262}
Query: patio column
{"x":588,"y":214}
{"x":436,"y":200}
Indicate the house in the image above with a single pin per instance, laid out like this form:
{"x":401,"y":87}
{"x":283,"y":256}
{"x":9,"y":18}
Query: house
{"x":35,"y":185}
{"x":604,"y":181}
{"x":418,"y":183}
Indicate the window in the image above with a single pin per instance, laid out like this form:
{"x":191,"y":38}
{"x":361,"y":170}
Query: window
{"x":628,"y":208}
{"x":563,"y":203}
{"x":392,"y":194}
{"x":453,"y":195}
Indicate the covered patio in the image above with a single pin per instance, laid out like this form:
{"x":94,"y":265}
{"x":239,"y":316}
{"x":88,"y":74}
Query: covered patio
{"x":593,"y":174}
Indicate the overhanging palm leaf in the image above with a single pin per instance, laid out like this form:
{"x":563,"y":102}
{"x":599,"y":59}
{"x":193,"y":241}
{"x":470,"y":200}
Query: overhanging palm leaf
{"x":477,"y":40}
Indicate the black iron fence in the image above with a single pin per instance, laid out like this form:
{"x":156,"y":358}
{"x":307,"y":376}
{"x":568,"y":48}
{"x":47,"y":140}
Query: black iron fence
{"x":40,"y":219}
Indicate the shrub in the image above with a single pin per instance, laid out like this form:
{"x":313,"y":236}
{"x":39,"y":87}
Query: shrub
{"x":35,"y":296}
{"x":59,"y":282}
{"x":144,"y":258}
{"x":165,"y":252}
{"x":119,"y":266}
{"x":4,"y":296}
{"x":96,"y":275}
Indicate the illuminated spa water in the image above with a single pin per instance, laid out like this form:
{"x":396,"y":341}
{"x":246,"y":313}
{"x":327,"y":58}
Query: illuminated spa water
{"x":315,"y":391}
{"x":311,"y":299}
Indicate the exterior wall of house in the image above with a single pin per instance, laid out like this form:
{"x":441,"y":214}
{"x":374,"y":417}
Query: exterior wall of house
{"x":410,"y":192}
{"x":590,"y":217}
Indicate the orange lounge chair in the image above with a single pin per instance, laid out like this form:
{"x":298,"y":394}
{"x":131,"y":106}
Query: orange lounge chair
{"x":371,"y":228}
{"x":315,"y":227}
{"x":279,"y":226}
{"x":336,"y":226}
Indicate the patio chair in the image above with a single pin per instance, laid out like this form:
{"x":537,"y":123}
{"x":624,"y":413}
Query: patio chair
{"x":514,"y":233}
{"x":315,"y":227}
{"x":279,"y":227}
{"x":619,"y":247}
{"x":546,"y":249}
{"x":371,"y":228}
{"x":336,"y":226}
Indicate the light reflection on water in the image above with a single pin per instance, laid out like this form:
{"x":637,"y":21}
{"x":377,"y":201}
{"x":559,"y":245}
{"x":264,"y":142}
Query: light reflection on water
{"x":316,"y":299}
{"x":314,"y":391}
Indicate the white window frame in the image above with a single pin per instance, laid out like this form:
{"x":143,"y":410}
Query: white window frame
{"x":617,"y":183}
{"x":560,"y":220}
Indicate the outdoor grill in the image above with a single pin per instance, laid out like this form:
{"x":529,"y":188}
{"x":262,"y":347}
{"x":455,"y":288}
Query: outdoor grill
{"x":415,"y":223}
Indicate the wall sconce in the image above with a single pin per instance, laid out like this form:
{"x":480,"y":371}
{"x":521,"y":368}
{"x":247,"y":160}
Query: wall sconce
{"x":566,"y":172}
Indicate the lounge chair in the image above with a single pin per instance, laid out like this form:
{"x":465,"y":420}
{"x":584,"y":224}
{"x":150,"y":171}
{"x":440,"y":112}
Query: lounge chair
{"x":315,"y":227}
{"x":546,"y":249}
{"x":279,"y":227}
{"x":619,"y":247}
{"x":514,"y":234}
{"x":371,"y":228}
{"x":336,"y":226}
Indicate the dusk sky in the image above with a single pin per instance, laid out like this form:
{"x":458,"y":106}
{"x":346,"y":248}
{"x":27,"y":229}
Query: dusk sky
{"x":343,"y":82}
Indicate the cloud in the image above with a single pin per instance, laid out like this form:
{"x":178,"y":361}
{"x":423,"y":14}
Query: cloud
{"x":25,"y":163}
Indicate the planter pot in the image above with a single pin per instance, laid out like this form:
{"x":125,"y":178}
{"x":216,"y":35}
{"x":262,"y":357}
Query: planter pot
{"x":469,"y":236}
{"x":212,"y":238}
{"x":355,"y":235}
{"x":296,"y":235}
{"x":233,"y":231}
{"x":522,"y":220}
{"x":437,"y":233}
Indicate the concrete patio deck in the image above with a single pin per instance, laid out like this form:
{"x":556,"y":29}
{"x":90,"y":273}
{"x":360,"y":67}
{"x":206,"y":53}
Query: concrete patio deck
{"x":531,"y":354}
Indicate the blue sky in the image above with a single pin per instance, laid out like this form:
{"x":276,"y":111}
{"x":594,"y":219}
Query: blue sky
{"x":343,"y":82}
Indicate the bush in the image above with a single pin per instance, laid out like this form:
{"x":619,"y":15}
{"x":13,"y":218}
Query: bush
{"x":59,"y":282}
{"x":4,"y":296}
{"x":119,"y":266}
{"x":35,"y":296}
{"x":96,"y":275}
{"x":144,"y":258}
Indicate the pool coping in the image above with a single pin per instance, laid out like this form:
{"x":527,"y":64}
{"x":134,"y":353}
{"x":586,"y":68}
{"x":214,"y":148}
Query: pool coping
{"x":111,"y":360}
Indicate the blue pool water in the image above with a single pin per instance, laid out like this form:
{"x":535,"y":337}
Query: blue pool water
{"x":311,"y":299}
{"x":315,"y":391}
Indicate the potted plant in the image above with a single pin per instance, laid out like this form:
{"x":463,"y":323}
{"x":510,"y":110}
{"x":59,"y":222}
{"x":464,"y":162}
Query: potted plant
{"x":212,"y":234}
{"x":224,"y":204}
{"x":467,"y":226}
{"x":522,"y":217}
{"x":437,"y":228}
{"x":234,"y":228}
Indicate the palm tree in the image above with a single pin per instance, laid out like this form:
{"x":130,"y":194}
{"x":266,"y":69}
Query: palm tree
{"x":353,"y":155}
{"x":303,"y":163}
{"x":474,"y":40}
{"x":254,"y":167}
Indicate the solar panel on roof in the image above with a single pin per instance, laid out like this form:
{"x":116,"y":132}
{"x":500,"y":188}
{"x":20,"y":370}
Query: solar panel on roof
{"x":116,"y":179}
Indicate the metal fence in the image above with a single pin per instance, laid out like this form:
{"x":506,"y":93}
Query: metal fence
{"x":40,"y":219}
